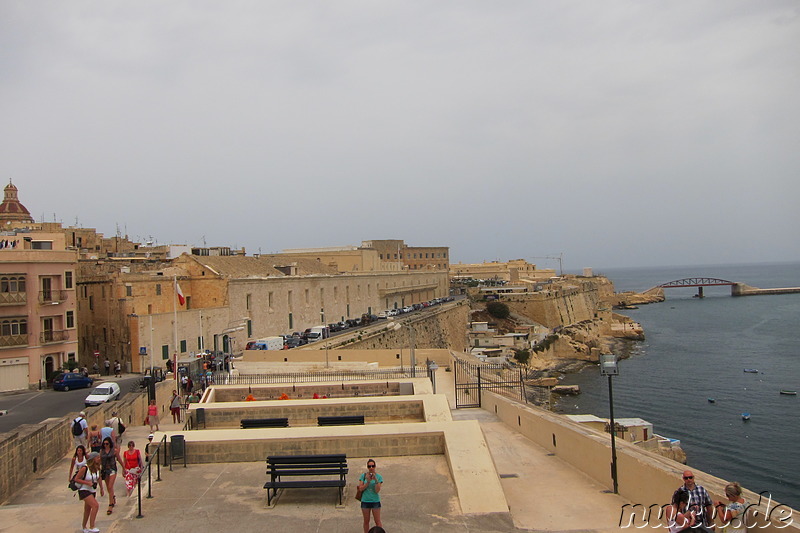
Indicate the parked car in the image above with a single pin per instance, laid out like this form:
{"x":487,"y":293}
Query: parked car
{"x":103,"y":393}
{"x":71,"y":380}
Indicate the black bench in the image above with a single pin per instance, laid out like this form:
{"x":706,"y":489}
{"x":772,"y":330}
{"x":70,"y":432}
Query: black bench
{"x":250,"y":423}
{"x":331,"y":467}
{"x":354,"y":420}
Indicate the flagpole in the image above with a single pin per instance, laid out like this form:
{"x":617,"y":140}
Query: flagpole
{"x":175,"y":327}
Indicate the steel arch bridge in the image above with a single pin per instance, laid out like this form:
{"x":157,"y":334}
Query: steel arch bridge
{"x":696,"y":282}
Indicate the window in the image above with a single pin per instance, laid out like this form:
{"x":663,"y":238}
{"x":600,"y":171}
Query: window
{"x":14,"y":326}
{"x":248,"y":301}
{"x":183,"y":346}
{"x":306,"y":295}
{"x":10,"y":284}
{"x":158,"y":289}
{"x":199,"y":343}
{"x":70,"y":319}
{"x":42,"y":245}
{"x":128,"y":290}
{"x":249,"y":328}
{"x":68,"y":279}
{"x":165,"y":351}
{"x":269,"y":299}
{"x":291,"y":321}
{"x":91,"y":303}
{"x":289,"y":300}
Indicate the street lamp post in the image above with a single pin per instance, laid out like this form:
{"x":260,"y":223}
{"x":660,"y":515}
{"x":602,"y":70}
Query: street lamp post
{"x":411,"y":342}
{"x":609,"y":367}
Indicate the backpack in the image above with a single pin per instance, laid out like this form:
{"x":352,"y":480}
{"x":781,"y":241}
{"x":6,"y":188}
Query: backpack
{"x":77,"y":428}
{"x":121,"y":427}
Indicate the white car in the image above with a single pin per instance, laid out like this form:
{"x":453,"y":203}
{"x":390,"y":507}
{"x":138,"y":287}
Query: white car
{"x":102,"y":394}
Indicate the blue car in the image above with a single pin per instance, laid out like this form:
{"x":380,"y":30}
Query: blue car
{"x":71,"y":380}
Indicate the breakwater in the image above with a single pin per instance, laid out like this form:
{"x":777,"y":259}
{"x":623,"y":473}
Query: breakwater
{"x":741,"y":289}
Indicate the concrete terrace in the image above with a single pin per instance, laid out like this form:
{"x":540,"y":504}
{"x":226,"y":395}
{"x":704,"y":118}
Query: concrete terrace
{"x":543,"y":493}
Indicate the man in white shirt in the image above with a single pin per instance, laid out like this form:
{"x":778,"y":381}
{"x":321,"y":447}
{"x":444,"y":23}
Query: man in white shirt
{"x":83,"y":438}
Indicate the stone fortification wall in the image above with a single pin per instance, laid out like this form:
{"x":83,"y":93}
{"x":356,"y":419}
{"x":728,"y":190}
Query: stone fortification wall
{"x":557,"y":307}
{"x":33,"y":448}
{"x":306,"y":415}
{"x":439,"y":328}
{"x":306,"y":391}
{"x":644,"y":478}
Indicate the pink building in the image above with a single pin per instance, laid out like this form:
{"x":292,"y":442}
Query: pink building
{"x":38,"y":332}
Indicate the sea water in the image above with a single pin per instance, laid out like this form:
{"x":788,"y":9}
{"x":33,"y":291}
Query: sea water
{"x":696,"y":349}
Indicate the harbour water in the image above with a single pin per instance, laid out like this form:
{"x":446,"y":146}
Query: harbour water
{"x":697,"y":349}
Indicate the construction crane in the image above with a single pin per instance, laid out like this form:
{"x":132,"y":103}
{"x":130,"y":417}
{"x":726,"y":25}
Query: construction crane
{"x":559,"y":258}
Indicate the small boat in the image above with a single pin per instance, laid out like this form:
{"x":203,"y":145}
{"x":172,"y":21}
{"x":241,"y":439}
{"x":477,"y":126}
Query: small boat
{"x":789,"y":392}
{"x":712,"y":400}
{"x":751,"y":370}
{"x":745,"y":416}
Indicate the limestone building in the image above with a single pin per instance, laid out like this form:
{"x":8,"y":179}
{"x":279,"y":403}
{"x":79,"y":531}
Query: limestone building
{"x":511,"y":271}
{"x":412,"y":257}
{"x":378,"y":255}
{"x":132,"y":312}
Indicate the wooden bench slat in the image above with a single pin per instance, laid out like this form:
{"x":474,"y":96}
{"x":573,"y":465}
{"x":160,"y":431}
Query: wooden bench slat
{"x":304,"y":484}
{"x":280,"y":466}
{"x":350,"y":420}
{"x":250,"y":423}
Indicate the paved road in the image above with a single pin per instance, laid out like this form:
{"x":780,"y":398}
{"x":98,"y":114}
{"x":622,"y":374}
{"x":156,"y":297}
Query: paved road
{"x":31,"y":407}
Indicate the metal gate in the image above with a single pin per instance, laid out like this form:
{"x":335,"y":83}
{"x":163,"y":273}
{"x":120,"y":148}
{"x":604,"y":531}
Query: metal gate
{"x":473,"y":378}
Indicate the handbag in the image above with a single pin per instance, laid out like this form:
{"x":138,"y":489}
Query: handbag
{"x":360,"y":492}
{"x":72,"y":485}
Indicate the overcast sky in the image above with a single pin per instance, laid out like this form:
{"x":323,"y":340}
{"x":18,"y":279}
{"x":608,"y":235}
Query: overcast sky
{"x":617,"y":133}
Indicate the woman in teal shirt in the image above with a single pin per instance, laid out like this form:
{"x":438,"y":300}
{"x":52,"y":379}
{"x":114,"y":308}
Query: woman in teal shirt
{"x":370,"y":483}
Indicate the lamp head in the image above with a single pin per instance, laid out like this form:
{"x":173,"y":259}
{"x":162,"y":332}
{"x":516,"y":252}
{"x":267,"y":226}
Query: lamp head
{"x":608,"y":365}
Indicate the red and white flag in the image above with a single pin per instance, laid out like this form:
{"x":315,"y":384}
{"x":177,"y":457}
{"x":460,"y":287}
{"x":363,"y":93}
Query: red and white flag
{"x":179,"y":292}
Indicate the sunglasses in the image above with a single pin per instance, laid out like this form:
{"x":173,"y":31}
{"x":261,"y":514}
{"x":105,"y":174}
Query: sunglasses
{"x":370,"y":466}
{"x":688,"y":477}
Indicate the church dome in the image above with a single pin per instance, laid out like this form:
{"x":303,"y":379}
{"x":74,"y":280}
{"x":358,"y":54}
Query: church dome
{"x":11,"y":209}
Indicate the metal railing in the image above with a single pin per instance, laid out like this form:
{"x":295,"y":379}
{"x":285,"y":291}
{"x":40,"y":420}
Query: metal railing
{"x":54,"y":335}
{"x":52,"y":296}
{"x":160,"y":450}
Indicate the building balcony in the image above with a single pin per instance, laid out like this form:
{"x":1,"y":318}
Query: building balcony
{"x":52,"y":297}
{"x":13,"y":341}
{"x":52,"y":336}
{"x":13,"y":298}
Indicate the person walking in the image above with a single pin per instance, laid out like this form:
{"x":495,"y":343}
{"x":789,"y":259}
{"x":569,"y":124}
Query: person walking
{"x":133,"y":466}
{"x":109,"y":457}
{"x":80,"y":430}
{"x":107,"y":431}
{"x":107,"y":365}
{"x":370,"y":483}
{"x":116,"y":424}
{"x":152,"y":416}
{"x":175,"y":407}
{"x":87,"y":478}
{"x":78,"y":460}
{"x":95,"y":439}
{"x":117,"y":368}
{"x":700,"y":504}
{"x":732,"y":513}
